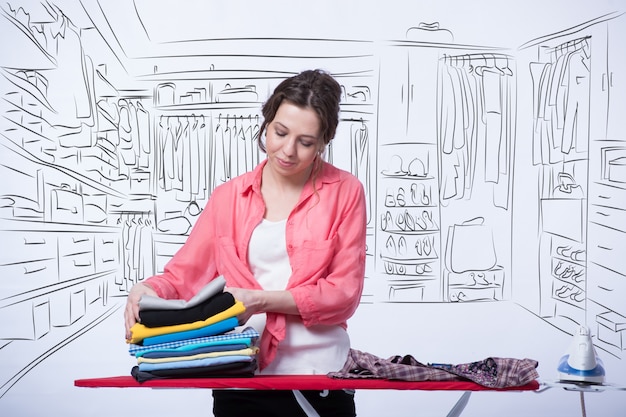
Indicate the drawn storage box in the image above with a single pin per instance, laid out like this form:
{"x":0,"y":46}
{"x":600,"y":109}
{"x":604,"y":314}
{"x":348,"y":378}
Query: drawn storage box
{"x":67,"y":306}
{"x":612,"y":328}
{"x":617,"y":170}
{"x":28,"y":320}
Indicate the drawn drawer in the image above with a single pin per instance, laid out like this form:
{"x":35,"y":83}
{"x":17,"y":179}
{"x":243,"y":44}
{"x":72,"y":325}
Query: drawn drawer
{"x":610,"y":217}
{"x":22,"y":277}
{"x":25,"y":246}
{"x":75,"y":243}
{"x":608,"y":248}
{"x":106,"y":252}
{"x":76,"y":266}
{"x":606,"y":195}
{"x":76,"y":256}
{"x":604,"y":285}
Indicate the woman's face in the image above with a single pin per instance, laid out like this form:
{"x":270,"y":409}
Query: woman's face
{"x":293,"y":141}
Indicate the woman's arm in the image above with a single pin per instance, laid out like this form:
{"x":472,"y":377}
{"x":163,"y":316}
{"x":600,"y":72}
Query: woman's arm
{"x":185,"y":274}
{"x":332,"y":296}
{"x":262,"y":301}
{"x":193,"y":266}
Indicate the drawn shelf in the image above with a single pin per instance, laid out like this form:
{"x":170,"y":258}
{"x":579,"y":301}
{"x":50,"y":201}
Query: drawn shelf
{"x":408,"y":223}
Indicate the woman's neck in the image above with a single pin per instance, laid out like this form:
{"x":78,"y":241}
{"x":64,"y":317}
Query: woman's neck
{"x":280,"y":194}
{"x":283,"y":183}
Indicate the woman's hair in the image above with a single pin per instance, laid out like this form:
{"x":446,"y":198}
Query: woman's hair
{"x":314,"y":89}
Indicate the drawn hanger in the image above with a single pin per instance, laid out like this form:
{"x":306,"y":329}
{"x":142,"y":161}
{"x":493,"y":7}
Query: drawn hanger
{"x":495,"y":66}
{"x":506,"y":70}
{"x":467,"y":58}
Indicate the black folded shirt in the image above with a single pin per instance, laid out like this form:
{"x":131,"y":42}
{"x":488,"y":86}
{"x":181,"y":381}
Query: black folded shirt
{"x":210,"y":307}
{"x":227,"y":370}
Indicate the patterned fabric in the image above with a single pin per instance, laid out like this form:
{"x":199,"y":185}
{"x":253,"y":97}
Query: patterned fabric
{"x":201,"y":341}
{"x":174,"y":353}
{"x":490,"y":372}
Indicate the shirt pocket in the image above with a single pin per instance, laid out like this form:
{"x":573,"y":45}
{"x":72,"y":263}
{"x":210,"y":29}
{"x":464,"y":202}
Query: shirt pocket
{"x":314,"y":255}
{"x":228,"y":259}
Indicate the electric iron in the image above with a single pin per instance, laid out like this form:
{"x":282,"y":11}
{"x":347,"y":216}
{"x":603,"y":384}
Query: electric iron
{"x":581,"y":363}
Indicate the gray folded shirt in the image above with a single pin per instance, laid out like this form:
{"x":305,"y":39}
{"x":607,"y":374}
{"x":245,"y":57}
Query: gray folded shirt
{"x":151,"y":302}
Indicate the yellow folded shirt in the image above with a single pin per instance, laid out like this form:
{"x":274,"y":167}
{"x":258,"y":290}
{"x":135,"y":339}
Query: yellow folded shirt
{"x":241,"y":352}
{"x":139,"y":331}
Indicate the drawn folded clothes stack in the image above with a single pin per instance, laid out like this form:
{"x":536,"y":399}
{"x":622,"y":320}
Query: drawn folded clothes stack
{"x":195,"y":338}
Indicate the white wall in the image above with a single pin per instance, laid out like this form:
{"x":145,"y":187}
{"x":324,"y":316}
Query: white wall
{"x":84,"y":167}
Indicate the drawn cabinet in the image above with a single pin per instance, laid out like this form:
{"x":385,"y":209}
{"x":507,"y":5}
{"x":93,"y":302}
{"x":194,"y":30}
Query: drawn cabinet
{"x":606,"y":261}
{"x":614,"y":78}
{"x":444,"y":148}
{"x":408,"y":231}
{"x":408,"y":77}
{"x":66,"y":272}
{"x":560,"y":150}
{"x":578,"y":148}
{"x":607,"y":188}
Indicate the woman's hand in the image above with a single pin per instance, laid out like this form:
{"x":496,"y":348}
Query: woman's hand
{"x":261,"y":301}
{"x":250,"y":300}
{"x":131,"y":313}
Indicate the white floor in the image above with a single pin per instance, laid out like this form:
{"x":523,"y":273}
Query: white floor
{"x":454,"y":333}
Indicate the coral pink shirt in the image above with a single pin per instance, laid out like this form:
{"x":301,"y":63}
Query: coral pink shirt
{"x":325,"y":236}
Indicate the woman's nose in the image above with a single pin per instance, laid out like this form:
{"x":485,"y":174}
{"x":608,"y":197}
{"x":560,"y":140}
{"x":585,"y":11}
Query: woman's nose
{"x":290,"y":146}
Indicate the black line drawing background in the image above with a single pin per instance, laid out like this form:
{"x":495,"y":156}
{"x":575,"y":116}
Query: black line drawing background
{"x":494,"y":174}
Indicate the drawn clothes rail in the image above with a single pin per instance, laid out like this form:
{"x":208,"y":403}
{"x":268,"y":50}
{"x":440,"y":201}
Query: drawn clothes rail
{"x":475,"y":126}
{"x":182,"y":157}
{"x":561,"y":103}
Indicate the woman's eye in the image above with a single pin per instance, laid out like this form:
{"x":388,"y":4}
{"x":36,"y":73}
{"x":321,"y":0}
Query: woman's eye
{"x":280,"y":133}
{"x":307,"y":144}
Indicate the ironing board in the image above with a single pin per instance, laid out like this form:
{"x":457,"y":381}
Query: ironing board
{"x":303,"y":382}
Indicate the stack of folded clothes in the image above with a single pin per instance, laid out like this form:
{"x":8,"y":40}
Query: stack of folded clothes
{"x":195,"y":338}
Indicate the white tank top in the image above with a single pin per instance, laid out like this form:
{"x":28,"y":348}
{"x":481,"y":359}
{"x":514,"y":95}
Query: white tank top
{"x":305,"y":350}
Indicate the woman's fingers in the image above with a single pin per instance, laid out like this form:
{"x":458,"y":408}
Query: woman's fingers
{"x":131,"y":312}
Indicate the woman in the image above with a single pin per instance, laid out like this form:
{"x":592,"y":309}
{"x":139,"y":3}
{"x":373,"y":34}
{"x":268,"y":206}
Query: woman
{"x":289,"y":238}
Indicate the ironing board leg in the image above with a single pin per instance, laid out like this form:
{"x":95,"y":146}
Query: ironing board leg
{"x":460,"y":405}
{"x":305,"y":405}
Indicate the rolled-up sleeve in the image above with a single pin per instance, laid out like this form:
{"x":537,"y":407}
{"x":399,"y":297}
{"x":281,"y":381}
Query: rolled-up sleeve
{"x":193,"y":265}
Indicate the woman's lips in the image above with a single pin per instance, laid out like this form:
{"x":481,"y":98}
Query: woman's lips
{"x":284,"y":163}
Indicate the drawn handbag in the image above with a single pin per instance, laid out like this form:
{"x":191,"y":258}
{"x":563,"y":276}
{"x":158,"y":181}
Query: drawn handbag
{"x":470,"y":247}
{"x":67,"y":206}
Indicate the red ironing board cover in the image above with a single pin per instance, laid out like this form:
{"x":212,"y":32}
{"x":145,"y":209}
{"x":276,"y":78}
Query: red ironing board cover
{"x":293,"y":382}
